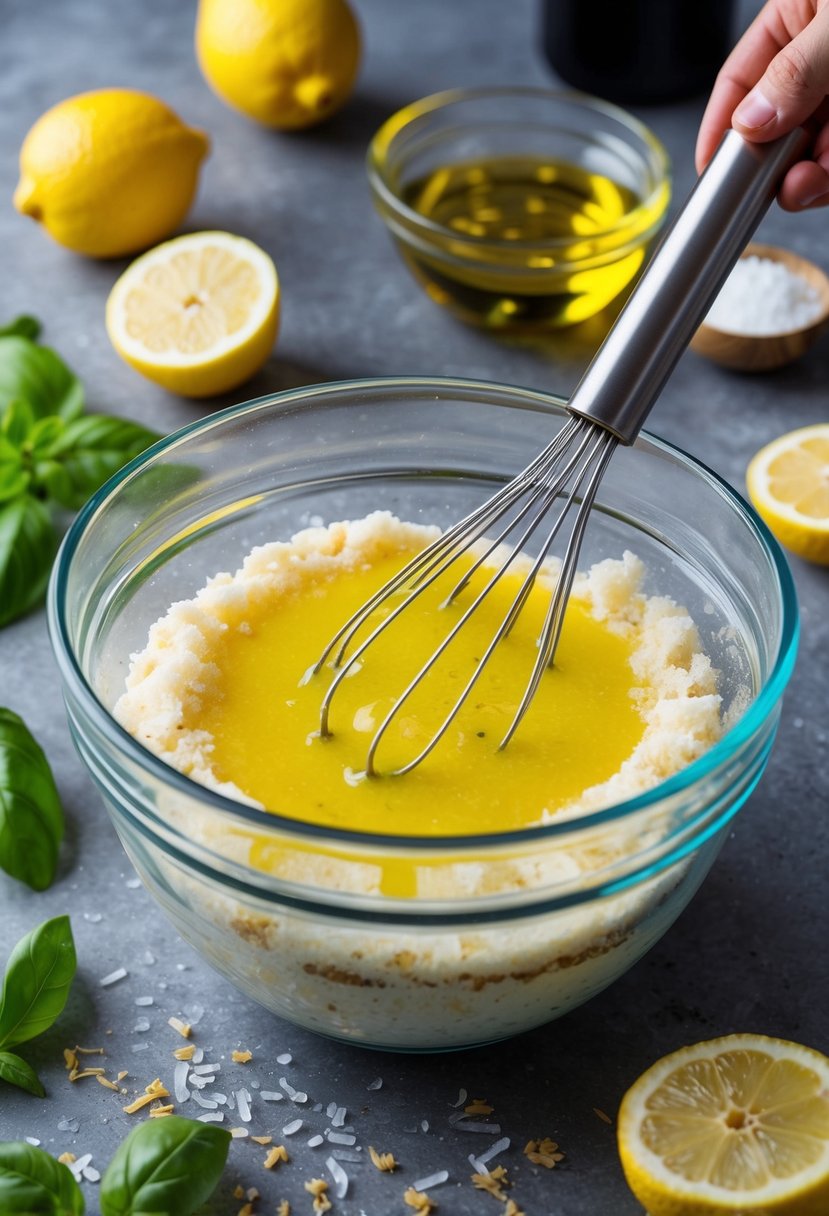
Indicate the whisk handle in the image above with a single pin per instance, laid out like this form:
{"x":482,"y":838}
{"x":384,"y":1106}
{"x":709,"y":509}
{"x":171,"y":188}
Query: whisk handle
{"x":682,"y":280}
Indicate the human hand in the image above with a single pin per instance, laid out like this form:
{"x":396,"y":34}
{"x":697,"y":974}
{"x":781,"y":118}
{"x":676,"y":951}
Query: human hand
{"x":776,"y":78}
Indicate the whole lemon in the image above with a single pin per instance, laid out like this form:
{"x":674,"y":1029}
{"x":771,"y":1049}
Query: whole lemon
{"x":285,"y":63}
{"x":109,"y":172}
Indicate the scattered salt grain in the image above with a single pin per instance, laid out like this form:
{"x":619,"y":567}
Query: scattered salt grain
{"x":339,"y":1175}
{"x":338,"y":1118}
{"x":317,"y":1107}
{"x":195,"y":1013}
{"x":243,"y":1104}
{"x":113,"y":977}
{"x":142,"y":1026}
{"x":314,"y":1142}
{"x":180,"y":1081}
{"x":94,"y":918}
{"x":424,"y":1127}
{"x":500,"y":1146}
{"x":296,"y":1095}
{"x":211,"y":1117}
{"x":341,"y":1138}
{"x":423,"y":1184}
{"x":345,"y":1154}
{"x":331,"y":1110}
{"x":270,"y":1095}
{"x":32,"y":1140}
{"x":377,"y":1083}
{"x":285,"y":1058}
{"x":292,"y":1128}
{"x":762,"y":296}
{"x":148,"y":957}
{"x":91,"y":1174}
{"x":133,"y":883}
{"x":144,"y":1001}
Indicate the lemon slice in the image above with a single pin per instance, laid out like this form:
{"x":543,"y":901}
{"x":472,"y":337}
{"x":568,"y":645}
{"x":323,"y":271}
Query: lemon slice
{"x":198,"y":314}
{"x":736,"y":1126}
{"x":788,"y":482}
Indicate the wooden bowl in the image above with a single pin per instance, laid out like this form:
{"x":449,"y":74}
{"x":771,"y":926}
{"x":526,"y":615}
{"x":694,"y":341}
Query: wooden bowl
{"x":762,"y":352}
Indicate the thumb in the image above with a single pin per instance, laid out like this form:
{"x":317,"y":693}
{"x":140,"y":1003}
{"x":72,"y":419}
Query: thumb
{"x":792,"y":87}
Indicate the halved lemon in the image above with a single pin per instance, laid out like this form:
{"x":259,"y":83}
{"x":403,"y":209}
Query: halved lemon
{"x":198,"y":314}
{"x":788,"y":482}
{"x":737,"y":1126}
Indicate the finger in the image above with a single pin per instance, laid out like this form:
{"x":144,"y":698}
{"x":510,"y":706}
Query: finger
{"x":805,"y":185}
{"x":762,"y":41}
{"x":792,"y":87}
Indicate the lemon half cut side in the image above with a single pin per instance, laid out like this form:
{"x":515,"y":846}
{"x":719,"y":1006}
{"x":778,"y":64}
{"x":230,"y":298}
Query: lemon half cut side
{"x":788,"y":482}
{"x":198,"y":314}
{"x":737,"y":1126}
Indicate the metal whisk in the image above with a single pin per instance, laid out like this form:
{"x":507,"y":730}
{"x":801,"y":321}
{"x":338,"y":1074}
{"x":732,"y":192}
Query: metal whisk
{"x":609,"y":406}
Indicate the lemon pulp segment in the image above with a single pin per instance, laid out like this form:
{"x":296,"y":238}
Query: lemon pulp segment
{"x":580,"y":728}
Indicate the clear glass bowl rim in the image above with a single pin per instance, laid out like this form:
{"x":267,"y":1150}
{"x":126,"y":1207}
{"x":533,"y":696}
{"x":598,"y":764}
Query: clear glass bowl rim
{"x":739,"y":734}
{"x":379,"y":178}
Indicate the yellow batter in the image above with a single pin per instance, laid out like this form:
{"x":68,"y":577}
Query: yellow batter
{"x":221,"y":692}
{"x":582,"y":724}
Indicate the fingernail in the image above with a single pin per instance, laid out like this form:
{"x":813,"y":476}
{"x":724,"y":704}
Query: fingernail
{"x":755,"y":111}
{"x":806,"y":200}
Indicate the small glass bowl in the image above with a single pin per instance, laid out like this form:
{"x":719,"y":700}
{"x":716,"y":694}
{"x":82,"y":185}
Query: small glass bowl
{"x":503,"y":931}
{"x":589,"y":190}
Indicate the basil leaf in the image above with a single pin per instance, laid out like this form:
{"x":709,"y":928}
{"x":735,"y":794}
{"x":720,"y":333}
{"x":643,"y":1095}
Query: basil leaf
{"x":17,"y":422}
{"x":14,"y":477}
{"x":28,"y":543}
{"x":22,"y":327}
{"x":37,"y":375}
{"x":90,"y":450}
{"x":164,"y":1168}
{"x":38,"y":978}
{"x":18,"y":1072}
{"x":31,"y":817}
{"x":33,"y":1184}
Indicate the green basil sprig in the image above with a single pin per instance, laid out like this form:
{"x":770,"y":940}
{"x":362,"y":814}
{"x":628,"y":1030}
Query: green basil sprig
{"x":167,"y":1167}
{"x":31,"y":818}
{"x":34,"y":1184}
{"x":38,"y":977}
{"x":52,"y":454}
{"x":164,"y":1168}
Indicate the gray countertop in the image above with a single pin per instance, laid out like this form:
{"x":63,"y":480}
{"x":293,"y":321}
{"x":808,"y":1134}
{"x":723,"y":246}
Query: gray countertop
{"x":750,"y":951}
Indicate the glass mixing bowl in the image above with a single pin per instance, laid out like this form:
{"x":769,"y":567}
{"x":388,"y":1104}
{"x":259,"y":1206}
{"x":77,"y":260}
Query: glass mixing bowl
{"x":519,"y":209}
{"x":502,"y":932}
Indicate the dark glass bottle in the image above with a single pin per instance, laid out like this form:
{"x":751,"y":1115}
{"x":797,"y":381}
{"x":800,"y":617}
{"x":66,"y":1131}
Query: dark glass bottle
{"x":637,"y":50}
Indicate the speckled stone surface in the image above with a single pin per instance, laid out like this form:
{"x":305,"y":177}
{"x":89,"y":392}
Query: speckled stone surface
{"x":750,"y":951}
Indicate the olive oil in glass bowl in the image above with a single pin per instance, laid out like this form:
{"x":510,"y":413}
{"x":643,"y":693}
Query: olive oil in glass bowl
{"x":519,"y":209}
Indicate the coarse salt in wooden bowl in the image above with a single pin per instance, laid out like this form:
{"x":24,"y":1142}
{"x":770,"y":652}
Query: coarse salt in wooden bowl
{"x":746,"y":351}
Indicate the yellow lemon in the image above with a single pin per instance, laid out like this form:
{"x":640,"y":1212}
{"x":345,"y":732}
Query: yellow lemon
{"x":737,"y":1126}
{"x":788,"y":482}
{"x":285,"y":63}
{"x":198,"y":314}
{"x":109,"y":172}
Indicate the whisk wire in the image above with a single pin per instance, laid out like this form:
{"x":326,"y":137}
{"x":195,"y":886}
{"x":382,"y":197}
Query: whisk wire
{"x":551,"y":630}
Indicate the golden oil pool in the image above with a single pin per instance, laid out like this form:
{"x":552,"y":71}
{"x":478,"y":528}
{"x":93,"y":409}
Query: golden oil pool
{"x":527,"y":243}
